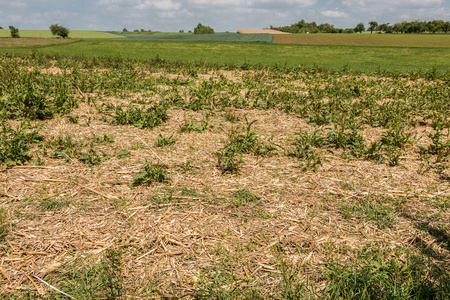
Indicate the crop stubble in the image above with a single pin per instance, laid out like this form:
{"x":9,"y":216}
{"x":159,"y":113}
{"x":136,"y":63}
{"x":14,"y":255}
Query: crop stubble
{"x":170,"y":237}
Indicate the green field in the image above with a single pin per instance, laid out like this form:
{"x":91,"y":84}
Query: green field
{"x":76,"y":34}
{"x":334,"y":57}
{"x":217,"y":37}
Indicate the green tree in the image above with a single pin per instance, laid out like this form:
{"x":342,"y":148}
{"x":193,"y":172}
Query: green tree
{"x":385,"y":27}
{"x":14,"y":32}
{"x":125,"y":30}
{"x":59,"y":31}
{"x":373,"y":25}
{"x":201,"y":29}
{"x":360,"y":27}
{"x":446,"y":27}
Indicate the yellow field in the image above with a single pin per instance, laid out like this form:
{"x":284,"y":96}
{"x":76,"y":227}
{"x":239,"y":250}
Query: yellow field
{"x":419,"y":40}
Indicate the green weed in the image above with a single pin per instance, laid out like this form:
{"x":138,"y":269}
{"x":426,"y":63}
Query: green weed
{"x":378,"y":278}
{"x":190,"y":126}
{"x":151,"y":173}
{"x":304,"y":150}
{"x":53,"y":205}
{"x":3,"y":224}
{"x":15,"y":143}
{"x":229,"y":160}
{"x":123,"y":154}
{"x":375,"y":208}
{"x":243,"y":197}
{"x":92,"y":281}
{"x":92,"y":157}
{"x":150,"y":118}
{"x":164,"y":141}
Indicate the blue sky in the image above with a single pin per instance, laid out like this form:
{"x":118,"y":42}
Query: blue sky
{"x":222,"y":15}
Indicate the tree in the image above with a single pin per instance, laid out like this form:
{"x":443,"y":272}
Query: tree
{"x":59,"y":31}
{"x":373,"y":26}
{"x":125,"y":30}
{"x":14,"y":32}
{"x":200,"y":29}
{"x":385,"y":27}
{"x":360,"y":27}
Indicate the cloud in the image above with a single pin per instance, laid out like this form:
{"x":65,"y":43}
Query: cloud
{"x":140,"y":4}
{"x":381,"y":5}
{"x":14,"y":4}
{"x":334,"y":14}
{"x":252,"y":3}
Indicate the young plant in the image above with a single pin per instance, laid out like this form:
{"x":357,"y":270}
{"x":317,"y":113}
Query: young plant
{"x":229,"y":160}
{"x":304,"y":150}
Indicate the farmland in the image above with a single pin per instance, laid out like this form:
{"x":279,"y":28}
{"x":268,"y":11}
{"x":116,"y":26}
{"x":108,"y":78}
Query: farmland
{"x":164,"y":177}
{"x":217,"y":37}
{"x":76,"y":34}
{"x":405,"y":40}
{"x":245,"y":55}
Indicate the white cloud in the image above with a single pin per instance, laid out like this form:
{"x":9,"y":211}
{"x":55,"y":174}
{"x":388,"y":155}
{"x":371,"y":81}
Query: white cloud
{"x":252,"y":3}
{"x":381,"y":5}
{"x":140,"y":4}
{"x":334,"y":14}
{"x":14,"y":4}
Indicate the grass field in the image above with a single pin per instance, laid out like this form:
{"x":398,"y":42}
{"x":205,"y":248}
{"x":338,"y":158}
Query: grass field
{"x":408,"y":40}
{"x":336,"y":57}
{"x":75,"y":34}
{"x":148,"y":179}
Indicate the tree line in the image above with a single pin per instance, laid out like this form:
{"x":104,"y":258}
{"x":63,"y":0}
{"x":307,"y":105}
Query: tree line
{"x":416,"y":26}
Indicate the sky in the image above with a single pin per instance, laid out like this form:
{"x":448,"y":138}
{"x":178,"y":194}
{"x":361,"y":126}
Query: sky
{"x":221,"y":15}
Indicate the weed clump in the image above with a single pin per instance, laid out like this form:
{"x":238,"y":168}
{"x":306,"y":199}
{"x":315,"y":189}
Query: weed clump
{"x":150,"y":118}
{"x":242,"y":197}
{"x":416,"y":278}
{"x":164,"y":141}
{"x":15,"y":143}
{"x":151,"y":173}
{"x":241,"y":140}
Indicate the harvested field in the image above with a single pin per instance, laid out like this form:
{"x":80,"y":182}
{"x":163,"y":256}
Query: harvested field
{"x":411,"y":40}
{"x":187,"y":181}
{"x":30,"y":42}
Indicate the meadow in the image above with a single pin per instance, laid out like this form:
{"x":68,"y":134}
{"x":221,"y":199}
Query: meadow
{"x":129,"y":172}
